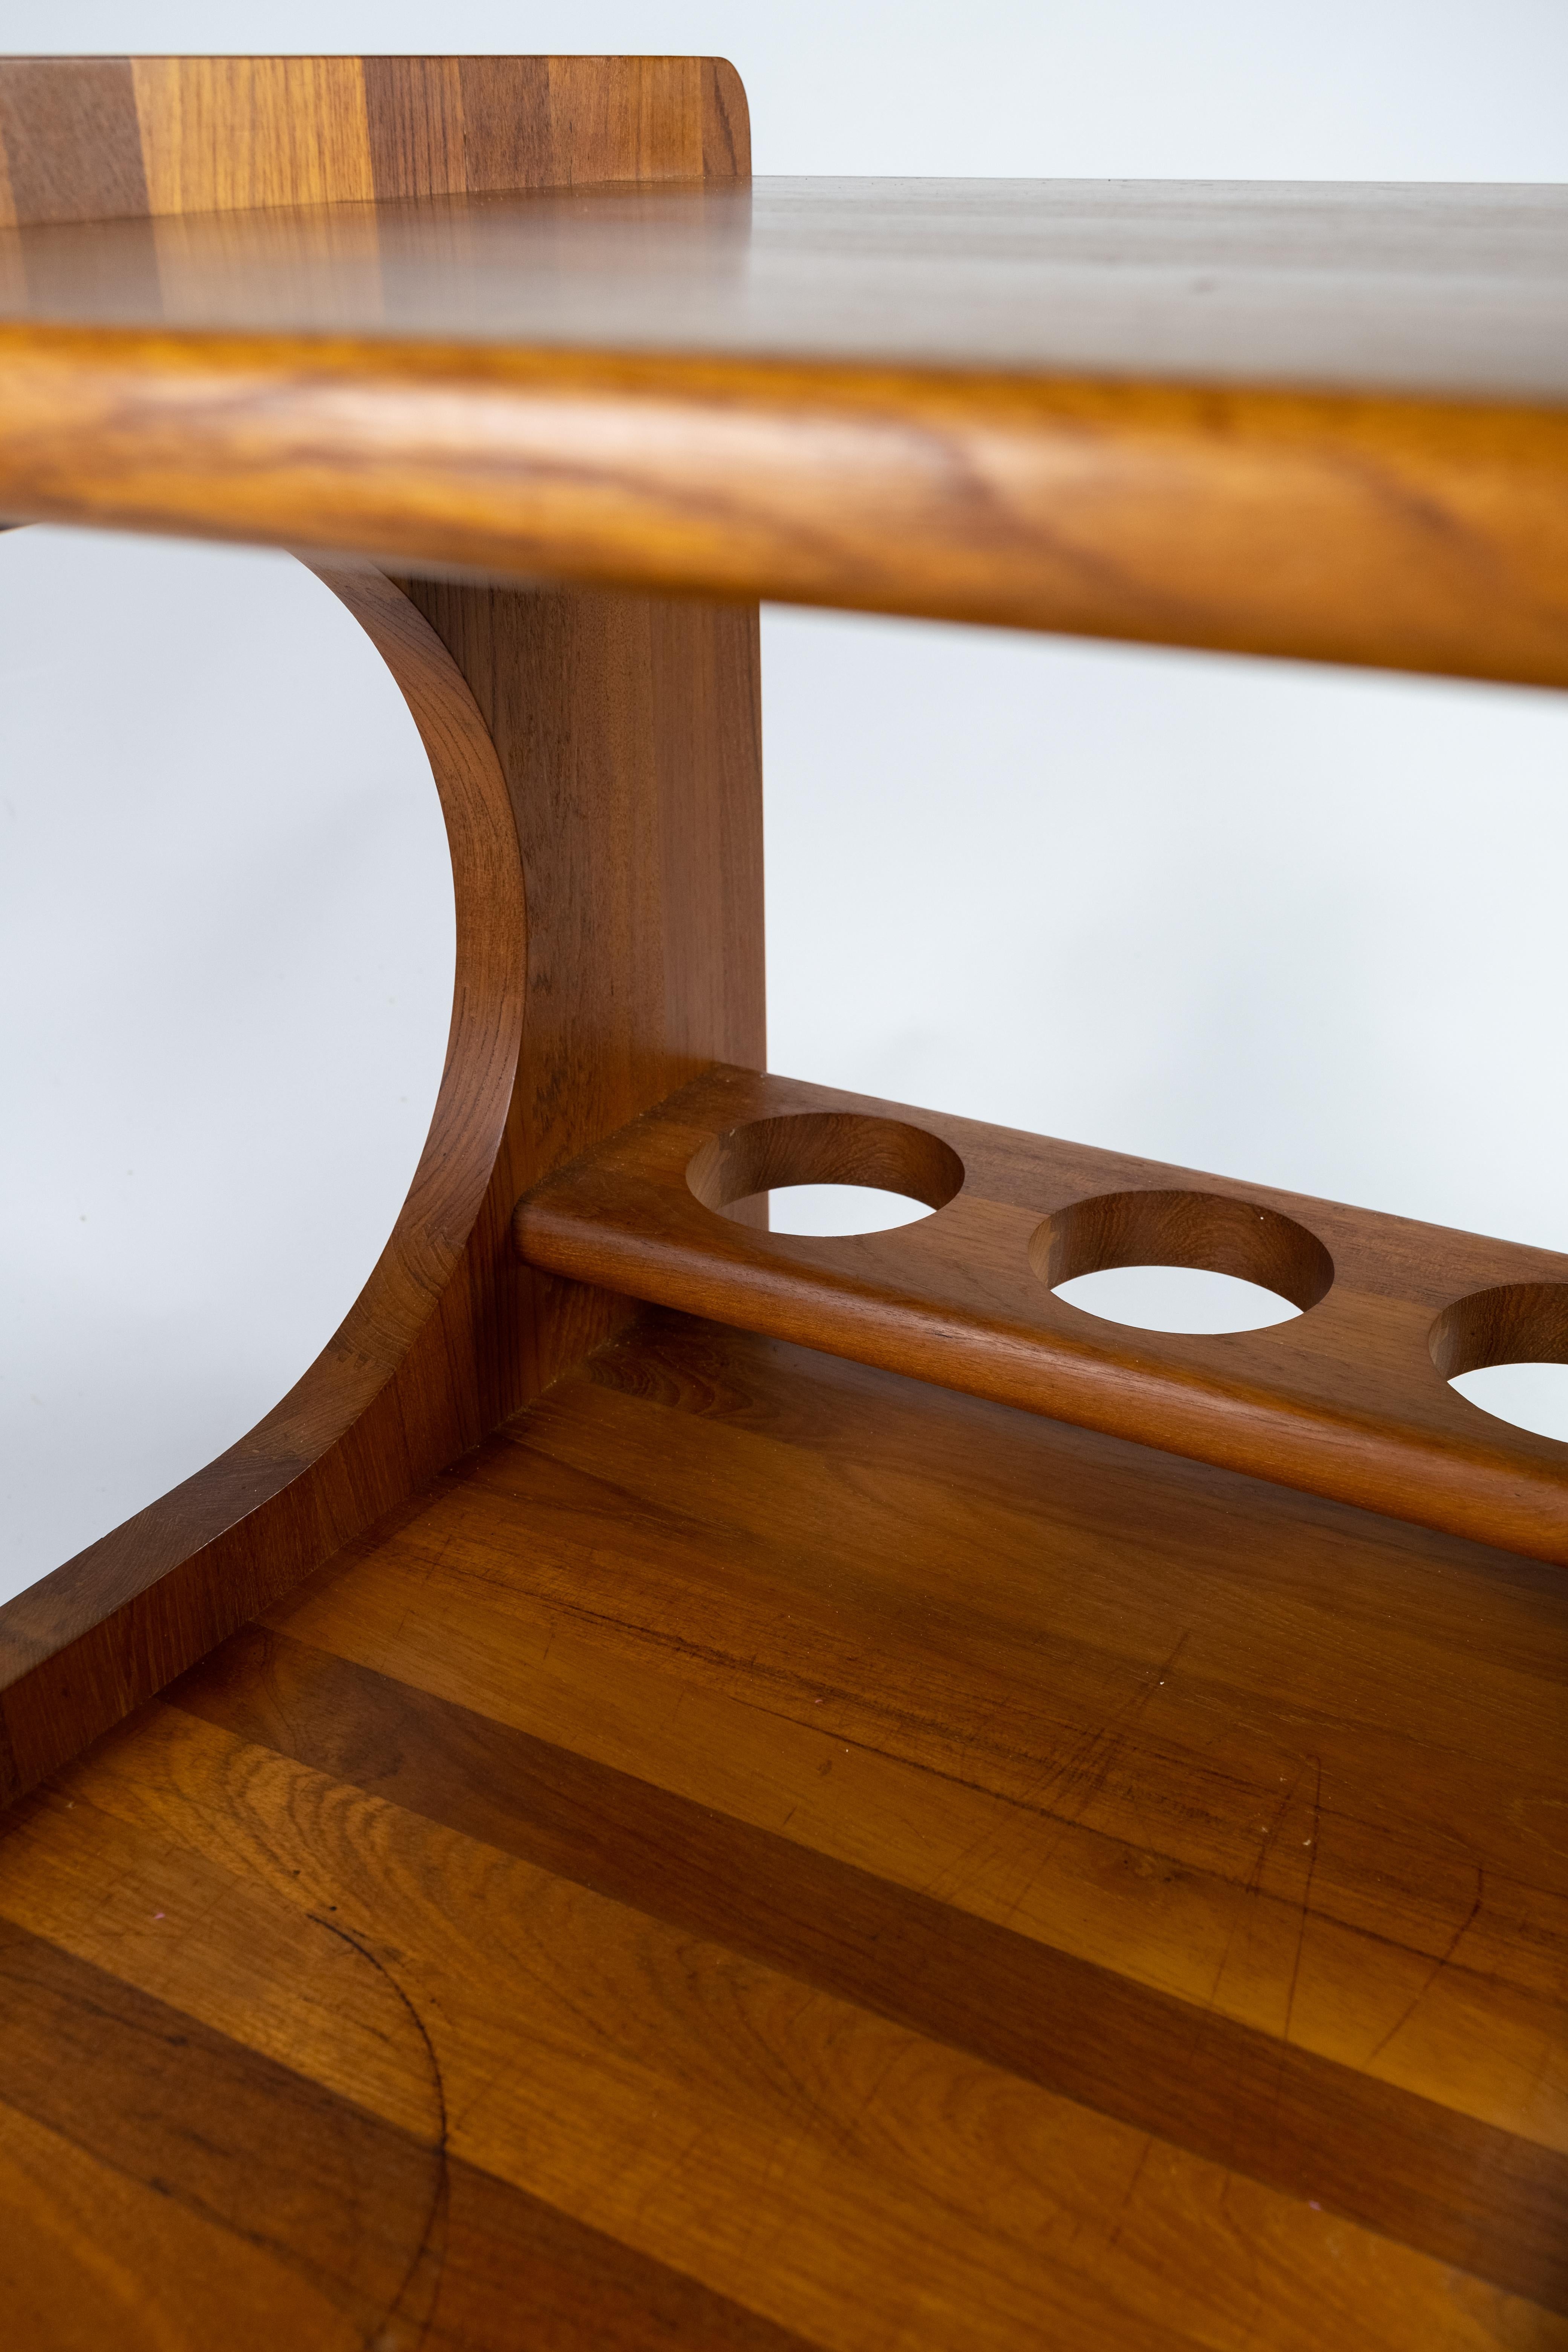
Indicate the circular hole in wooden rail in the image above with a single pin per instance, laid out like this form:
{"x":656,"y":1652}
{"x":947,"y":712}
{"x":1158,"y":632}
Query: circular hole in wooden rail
{"x":1506,"y":1352}
{"x":747,"y":1166}
{"x":1274,"y":1268}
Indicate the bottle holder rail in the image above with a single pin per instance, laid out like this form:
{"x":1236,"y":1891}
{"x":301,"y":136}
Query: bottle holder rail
{"x":1349,"y":1399}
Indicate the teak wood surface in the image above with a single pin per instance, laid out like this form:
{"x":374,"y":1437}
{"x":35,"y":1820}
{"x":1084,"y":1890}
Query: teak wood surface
{"x":600,"y":757}
{"x":599,"y":762}
{"x":1348,"y":1399}
{"x":760,"y":1852}
{"x":298,"y":301}
{"x":771,"y":1854}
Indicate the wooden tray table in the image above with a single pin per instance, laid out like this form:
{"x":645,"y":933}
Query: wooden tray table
{"x":694,"y":1787}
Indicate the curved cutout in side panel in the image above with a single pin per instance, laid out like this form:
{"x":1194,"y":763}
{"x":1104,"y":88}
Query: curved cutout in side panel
{"x":403,"y":1386}
{"x":227,"y":936}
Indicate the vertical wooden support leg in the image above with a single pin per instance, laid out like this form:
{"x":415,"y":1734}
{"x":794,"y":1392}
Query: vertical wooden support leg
{"x":628,"y":730}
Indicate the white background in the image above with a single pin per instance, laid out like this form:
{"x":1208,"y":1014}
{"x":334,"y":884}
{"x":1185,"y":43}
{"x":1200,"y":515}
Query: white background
{"x":1301,"y":926}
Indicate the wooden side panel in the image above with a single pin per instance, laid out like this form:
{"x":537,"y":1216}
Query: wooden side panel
{"x":629,"y":775}
{"x":69,"y":143}
{"x":552,"y":121}
{"x":395,"y":1394}
{"x":222,"y":134}
{"x":413,"y":109}
{"x":627,"y":737}
{"x":116,"y":138}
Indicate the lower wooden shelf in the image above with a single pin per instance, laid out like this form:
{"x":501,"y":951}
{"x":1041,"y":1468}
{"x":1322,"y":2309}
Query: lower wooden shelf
{"x":770,"y":1855}
{"x":1349,"y":1399}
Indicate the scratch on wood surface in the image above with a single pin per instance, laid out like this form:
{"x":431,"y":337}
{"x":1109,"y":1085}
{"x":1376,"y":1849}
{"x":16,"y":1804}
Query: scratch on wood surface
{"x":1130,"y":2189}
{"x":1317,"y":1764}
{"x":435,"y":2218}
{"x":1466,"y":1924}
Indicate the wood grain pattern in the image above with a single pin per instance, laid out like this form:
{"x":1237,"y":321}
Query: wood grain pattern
{"x":399,"y":1389}
{"x":766,"y":1855}
{"x":617,"y":742}
{"x":69,"y":147}
{"x":1327,"y":444}
{"x":1446,"y":293}
{"x":599,"y":756}
{"x":1350,"y":1399}
{"x":1411,"y":534}
{"x":629,"y":731}
{"x":772,"y":1853}
{"x":273,"y":2203}
{"x":89,"y":139}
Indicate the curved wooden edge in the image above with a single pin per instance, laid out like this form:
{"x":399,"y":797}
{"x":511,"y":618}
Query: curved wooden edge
{"x":1412,"y":534}
{"x":403,"y":1386}
{"x":1345,"y":1400}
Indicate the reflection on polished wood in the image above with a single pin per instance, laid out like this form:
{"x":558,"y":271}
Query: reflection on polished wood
{"x":1451,"y":292}
{"x":772,"y":1855}
{"x":1324,"y":422}
{"x":765,"y":1852}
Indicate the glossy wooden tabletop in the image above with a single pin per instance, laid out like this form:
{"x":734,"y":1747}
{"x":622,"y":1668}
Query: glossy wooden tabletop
{"x":770,"y":1855}
{"x":1328,"y":422}
{"x":1451,"y":290}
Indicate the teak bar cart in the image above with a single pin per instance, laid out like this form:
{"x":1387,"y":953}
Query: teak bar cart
{"x":695,"y":1787}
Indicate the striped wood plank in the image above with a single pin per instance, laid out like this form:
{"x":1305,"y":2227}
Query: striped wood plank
{"x":90,"y":138}
{"x":772,"y":1855}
